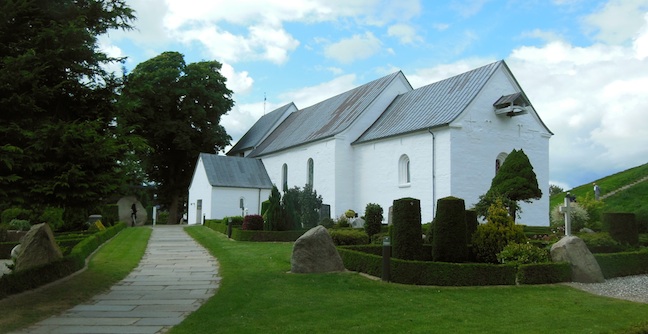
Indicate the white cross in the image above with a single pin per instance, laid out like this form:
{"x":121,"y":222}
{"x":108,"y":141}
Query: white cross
{"x":566,"y":209}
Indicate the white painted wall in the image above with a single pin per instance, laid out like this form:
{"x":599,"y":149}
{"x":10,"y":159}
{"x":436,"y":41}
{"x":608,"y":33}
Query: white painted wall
{"x":225,"y":201}
{"x":200,"y":188}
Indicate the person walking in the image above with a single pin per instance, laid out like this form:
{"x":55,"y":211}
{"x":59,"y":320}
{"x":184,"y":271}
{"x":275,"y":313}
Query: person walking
{"x":597,"y":191}
{"x":133,"y":214}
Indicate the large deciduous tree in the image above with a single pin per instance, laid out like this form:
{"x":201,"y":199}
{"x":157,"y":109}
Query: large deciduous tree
{"x":176,"y":107}
{"x":515,"y":181}
{"x":57,"y":138}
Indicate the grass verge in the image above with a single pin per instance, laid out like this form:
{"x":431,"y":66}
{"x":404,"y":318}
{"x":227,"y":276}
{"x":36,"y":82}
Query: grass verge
{"x":112,"y":262}
{"x":257,"y":295}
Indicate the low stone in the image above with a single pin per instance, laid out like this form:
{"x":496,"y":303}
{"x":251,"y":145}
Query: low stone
{"x":315,"y":252}
{"x":37,"y":247}
{"x":587,"y":230}
{"x":15,"y":251}
{"x":572,"y":249}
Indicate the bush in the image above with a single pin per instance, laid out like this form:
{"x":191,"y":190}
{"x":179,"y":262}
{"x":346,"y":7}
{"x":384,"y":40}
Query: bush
{"x":579,"y":217}
{"x":373,"y":219}
{"x":342,"y":222}
{"x":601,"y":242}
{"x":236,"y":220}
{"x":253,"y":223}
{"x":163,"y":217}
{"x":74,"y":219}
{"x":623,"y":264}
{"x":471,"y":224}
{"x":491,"y":238}
{"x":327,"y":222}
{"x":15,"y":213}
{"x":53,"y":216}
{"x":449,"y":231}
{"x":622,"y":227}
{"x":407,"y":236}
{"x":343,"y":237}
{"x":515,"y":253}
{"x":20,"y":225}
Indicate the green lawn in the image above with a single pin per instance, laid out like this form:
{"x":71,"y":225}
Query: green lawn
{"x":257,"y":295}
{"x":112,"y":262}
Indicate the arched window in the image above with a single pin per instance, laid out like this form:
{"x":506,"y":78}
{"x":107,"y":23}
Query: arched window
{"x":404,"y":176}
{"x":310,"y":167}
{"x":284,"y":177}
{"x":499,"y":161}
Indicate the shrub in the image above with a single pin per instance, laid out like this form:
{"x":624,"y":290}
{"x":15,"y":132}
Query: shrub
{"x":516,"y":253}
{"x":406,"y":230}
{"x":373,"y":219}
{"x":622,"y":227}
{"x":14,"y":213}
{"x":74,"y":219}
{"x":499,"y":231}
{"x":342,"y":222}
{"x":471,"y":224}
{"x":449,"y":231}
{"x":163,"y":217}
{"x":236,"y":220}
{"x":327,"y":222}
{"x":253,"y":222}
{"x":349,"y":237}
{"x":309,"y":206}
{"x":20,"y":225}
{"x":53,"y":216}
{"x":274,"y":211}
{"x":601,"y":242}
{"x":578,"y":215}
{"x":623,"y":264}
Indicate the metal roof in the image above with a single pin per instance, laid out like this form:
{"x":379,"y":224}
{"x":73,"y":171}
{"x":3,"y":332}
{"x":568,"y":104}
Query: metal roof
{"x":430,"y":106}
{"x":324,"y":119}
{"x":253,"y":137}
{"x":235,"y":172}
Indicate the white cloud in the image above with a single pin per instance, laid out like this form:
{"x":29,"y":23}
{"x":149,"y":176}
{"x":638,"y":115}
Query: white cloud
{"x":238,"y":82}
{"x":618,"y":20}
{"x":405,"y":33}
{"x":355,"y":48}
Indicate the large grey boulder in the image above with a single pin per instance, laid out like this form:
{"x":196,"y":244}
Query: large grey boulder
{"x":572,"y":249}
{"x":124,"y":207}
{"x":314,"y":252}
{"x":37,"y":247}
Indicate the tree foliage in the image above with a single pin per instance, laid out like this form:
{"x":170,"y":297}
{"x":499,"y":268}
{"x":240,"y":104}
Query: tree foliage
{"x":499,"y":230}
{"x":273,"y":215}
{"x":176,"y":107}
{"x":59,"y":143}
{"x":309,"y":204}
{"x":373,"y":219}
{"x":515,"y":181}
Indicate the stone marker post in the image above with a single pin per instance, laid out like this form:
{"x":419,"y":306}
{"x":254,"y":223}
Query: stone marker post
{"x":566,"y":209}
{"x":386,"y":259}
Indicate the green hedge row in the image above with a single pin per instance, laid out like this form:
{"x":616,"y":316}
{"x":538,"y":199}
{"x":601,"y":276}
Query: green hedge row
{"x":368,"y":259}
{"x":17,"y":282}
{"x":247,"y":235}
{"x":623,"y":264}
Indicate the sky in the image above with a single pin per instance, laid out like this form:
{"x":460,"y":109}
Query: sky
{"x":582,"y":63}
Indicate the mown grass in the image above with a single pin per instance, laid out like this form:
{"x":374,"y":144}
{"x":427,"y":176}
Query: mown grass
{"x":111,"y":263}
{"x":257,"y":295}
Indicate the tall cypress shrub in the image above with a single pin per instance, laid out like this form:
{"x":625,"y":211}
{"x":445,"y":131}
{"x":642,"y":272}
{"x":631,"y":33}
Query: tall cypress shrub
{"x":407,"y":242}
{"x":449,"y":241}
{"x":373,"y":219}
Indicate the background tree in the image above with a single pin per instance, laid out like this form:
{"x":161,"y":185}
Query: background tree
{"x":373,"y":219}
{"x":176,"y":108}
{"x":309,"y":205}
{"x":515,"y":181}
{"x":56,"y":99}
{"x":554,"y":189}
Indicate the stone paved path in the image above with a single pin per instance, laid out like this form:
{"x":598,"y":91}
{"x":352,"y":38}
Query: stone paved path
{"x":174,"y":278}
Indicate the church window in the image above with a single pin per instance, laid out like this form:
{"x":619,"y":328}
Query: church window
{"x":284,"y":177}
{"x":499,"y":161}
{"x":310,"y":172}
{"x":404,"y":176}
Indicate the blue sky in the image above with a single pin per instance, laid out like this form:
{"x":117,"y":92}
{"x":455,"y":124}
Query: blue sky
{"x":582,"y":63}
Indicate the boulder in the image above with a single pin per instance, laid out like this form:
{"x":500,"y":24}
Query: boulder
{"x":315,"y":252}
{"x":37,"y":247}
{"x":124,"y":208}
{"x":572,"y":249}
{"x":358,"y":223}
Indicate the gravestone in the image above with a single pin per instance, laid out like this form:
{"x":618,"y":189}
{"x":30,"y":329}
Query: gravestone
{"x":315,"y":252}
{"x":124,"y":208}
{"x":38,"y":247}
{"x":572,"y":249}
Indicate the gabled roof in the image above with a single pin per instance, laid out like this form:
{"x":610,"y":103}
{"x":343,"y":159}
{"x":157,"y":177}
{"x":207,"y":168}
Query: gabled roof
{"x":430,"y":106}
{"x":325,"y":119}
{"x":235,"y":172}
{"x":260,"y":129}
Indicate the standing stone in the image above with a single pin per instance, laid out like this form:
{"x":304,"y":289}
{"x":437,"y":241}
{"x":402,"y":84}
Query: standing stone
{"x":572,"y":249}
{"x":314,"y":252}
{"x":38,"y":247}
{"x":124,"y":207}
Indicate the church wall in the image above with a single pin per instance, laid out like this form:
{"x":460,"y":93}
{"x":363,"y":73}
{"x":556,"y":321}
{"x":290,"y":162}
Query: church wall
{"x":199,"y":189}
{"x":378,"y":178}
{"x":226,"y":202}
{"x":480,"y":135}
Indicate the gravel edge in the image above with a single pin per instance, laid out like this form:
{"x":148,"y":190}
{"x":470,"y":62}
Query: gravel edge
{"x":632,"y":288}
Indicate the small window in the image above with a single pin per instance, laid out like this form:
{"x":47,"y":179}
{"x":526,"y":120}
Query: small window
{"x":310,"y":172}
{"x":499,"y":161}
{"x":284,"y":177}
{"x":404,"y":176}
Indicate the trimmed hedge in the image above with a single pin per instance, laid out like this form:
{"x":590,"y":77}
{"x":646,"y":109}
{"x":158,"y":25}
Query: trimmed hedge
{"x":216,"y":225}
{"x":621,"y":226}
{"x":449,"y":231}
{"x":623,"y":264}
{"x":406,"y":230}
{"x":348,"y":237}
{"x":544,"y":273}
{"x":17,"y":282}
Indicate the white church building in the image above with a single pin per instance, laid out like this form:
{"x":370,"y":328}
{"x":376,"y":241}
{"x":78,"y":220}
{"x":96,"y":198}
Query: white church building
{"x":383,"y":141}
